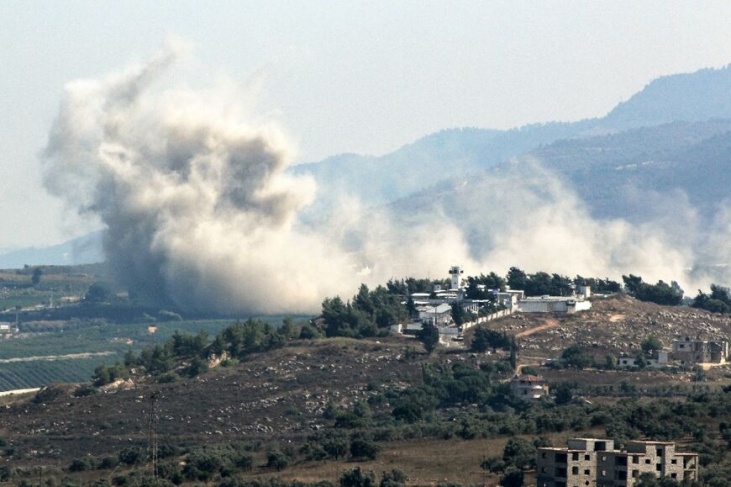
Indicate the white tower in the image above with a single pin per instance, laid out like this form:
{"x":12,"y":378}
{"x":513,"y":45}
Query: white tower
{"x":456,"y":274}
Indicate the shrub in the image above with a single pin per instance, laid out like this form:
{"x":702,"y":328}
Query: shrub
{"x":277,"y":460}
{"x":357,"y":478}
{"x":361,"y":448}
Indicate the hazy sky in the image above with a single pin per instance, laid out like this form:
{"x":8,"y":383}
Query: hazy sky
{"x":348,"y":76}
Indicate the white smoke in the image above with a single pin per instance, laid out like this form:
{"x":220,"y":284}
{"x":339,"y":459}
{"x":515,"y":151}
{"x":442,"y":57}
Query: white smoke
{"x":201,"y":214}
{"x":198,"y":209}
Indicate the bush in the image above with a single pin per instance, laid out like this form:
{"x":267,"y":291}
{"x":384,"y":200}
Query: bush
{"x":277,"y":460}
{"x":79,"y":465}
{"x":360,"y":448}
{"x":47,"y":394}
{"x":357,"y":478}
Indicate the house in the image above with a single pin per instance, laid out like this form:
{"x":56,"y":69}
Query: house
{"x":655,"y":359}
{"x":697,"y":351}
{"x":528,"y":387}
{"x":596,"y":462}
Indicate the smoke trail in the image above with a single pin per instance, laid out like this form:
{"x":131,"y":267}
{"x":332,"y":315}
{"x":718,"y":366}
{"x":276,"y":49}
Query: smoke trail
{"x":199,"y":211}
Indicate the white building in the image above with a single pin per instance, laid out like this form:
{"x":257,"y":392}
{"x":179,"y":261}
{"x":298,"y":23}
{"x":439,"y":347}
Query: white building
{"x":553,"y":304}
{"x":439,"y":315}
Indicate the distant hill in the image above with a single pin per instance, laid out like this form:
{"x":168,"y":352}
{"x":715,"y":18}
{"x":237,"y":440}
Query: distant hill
{"x":689,"y":97}
{"x":86,"y":249}
{"x":455,"y":153}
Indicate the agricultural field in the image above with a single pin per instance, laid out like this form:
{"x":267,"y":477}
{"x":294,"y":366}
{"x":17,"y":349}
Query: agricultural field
{"x":39,"y":351}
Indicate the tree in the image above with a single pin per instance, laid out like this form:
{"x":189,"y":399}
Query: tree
{"x":361,"y":448}
{"x":577,"y":356}
{"x":394,"y":478}
{"x":484,"y":339}
{"x":459,"y":314}
{"x":660,"y":293}
{"x":517,"y":279}
{"x":357,"y":478}
{"x":429,"y":336}
{"x":650,"y":344}
{"x":98,"y":293}
{"x":520,"y":453}
{"x":513,"y":477}
{"x":277,"y":460}
{"x":36,"y":277}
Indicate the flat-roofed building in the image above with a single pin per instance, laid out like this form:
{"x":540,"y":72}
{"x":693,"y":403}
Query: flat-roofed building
{"x":590,"y":462}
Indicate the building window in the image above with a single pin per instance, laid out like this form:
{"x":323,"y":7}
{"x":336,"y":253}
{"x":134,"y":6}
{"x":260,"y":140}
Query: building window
{"x":587,"y":457}
{"x":574,"y":456}
{"x":587,"y":471}
{"x":575,"y":470}
{"x":647,"y":461}
{"x":635,"y":459}
{"x":635,"y":473}
{"x":673,"y":475}
{"x":674,"y":461}
{"x":659,"y":452}
{"x":658,"y":467}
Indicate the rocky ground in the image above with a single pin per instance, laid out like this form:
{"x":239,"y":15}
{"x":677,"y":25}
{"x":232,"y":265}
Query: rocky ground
{"x":281,"y":395}
{"x":613,"y":325}
{"x":274,"y":396}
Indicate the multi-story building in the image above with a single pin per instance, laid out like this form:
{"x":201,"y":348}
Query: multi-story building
{"x":589,"y":462}
{"x":529,"y":387}
{"x":697,"y":351}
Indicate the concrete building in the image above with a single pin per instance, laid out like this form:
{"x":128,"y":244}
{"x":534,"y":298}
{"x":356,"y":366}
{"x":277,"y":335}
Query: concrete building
{"x":656,"y":359}
{"x":696,"y":351}
{"x":529,"y":387}
{"x":553,"y":304}
{"x":589,"y":462}
{"x":438,"y":315}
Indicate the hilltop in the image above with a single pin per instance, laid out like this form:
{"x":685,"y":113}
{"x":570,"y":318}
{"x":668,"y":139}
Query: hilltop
{"x":311,"y":391}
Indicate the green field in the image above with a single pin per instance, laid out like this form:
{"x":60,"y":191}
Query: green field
{"x":35,"y":360}
{"x":51,"y":351}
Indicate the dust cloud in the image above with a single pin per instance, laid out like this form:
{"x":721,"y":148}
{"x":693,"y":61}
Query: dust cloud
{"x":201,"y":213}
{"x":198,"y":209}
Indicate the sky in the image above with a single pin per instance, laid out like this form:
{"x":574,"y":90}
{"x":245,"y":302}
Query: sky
{"x":363,"y":77}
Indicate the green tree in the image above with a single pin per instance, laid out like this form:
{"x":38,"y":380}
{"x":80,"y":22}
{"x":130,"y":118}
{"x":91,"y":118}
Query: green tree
{"x":357,"y":478}
{"x":517,"y":279}
{"x":429,"y":336}
{"x":277,"y":460}
{"x":362,"y":448}
{"x":520,"y":453}
{"x":36,"y":277}
{"x":577,"y":356}
{"x":512,"y":477}
{"x":650,"y":344}
{"x":484,"y":339}
{"x":393,"y":478}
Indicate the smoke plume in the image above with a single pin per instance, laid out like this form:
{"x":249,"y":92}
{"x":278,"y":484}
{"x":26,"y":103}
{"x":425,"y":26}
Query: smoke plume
{"x":202,"y":214}
{"x":198,"y":209}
